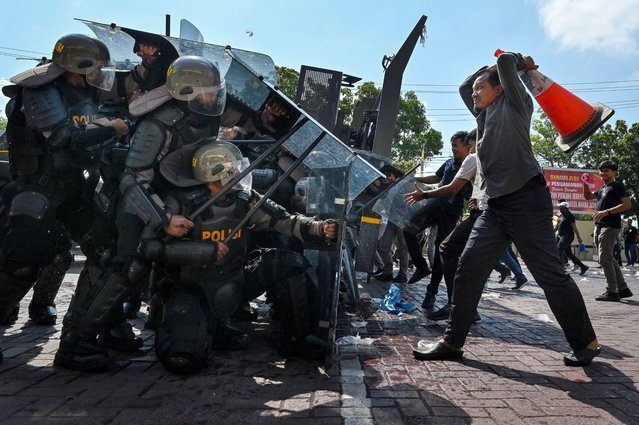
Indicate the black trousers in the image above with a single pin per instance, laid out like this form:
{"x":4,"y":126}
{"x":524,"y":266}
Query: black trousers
{"x":525,"y":218}
{"x":445,"y":224}
{"x":566,"y":253}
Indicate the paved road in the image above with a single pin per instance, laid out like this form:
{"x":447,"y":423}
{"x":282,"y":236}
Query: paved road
{"x":512,"y":372}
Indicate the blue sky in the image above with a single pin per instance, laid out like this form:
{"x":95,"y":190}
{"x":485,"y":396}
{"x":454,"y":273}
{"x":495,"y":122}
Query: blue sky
{"x":588,"y":46}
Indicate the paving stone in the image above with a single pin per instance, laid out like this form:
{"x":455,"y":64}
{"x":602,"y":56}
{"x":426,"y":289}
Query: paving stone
{"x":512,"y":373}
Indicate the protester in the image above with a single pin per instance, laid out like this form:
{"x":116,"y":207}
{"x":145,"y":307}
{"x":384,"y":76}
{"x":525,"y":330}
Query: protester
{"x":630,"y":243}
{"x":519,"y":210}
{"x":445,"y":212}
{"x":566,"y":230}
{"x":612,"y":200}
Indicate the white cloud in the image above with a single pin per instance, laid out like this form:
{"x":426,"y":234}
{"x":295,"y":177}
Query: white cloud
{"x":609,"y":26}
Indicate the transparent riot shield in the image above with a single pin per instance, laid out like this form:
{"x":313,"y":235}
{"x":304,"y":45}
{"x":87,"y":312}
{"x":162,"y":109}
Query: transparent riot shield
{"x":338,"y":174}
{"x":121,"y":41}
{"x":414,"y":218}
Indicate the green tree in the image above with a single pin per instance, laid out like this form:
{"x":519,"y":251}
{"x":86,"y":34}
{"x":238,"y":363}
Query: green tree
{"x":346,"y":104}
{"x":3,"y":123}
{"x":413,"y":138}
{"x":365,"y":90}
{"x":607,"y":142}
{"x":287,"y":79}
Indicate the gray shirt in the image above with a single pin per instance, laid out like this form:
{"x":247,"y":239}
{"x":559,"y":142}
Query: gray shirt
{"x":505,"y":152}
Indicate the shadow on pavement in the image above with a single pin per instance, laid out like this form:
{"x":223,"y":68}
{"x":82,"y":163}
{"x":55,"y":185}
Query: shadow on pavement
{"x":607,"y":388}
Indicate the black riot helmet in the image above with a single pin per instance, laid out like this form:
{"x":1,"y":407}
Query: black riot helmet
{"x":197,"y":81}
{"x":85,"y":55}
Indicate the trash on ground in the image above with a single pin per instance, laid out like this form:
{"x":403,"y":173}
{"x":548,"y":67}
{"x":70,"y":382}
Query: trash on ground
{"x":490,"y":295}
{"x":358,"y":324}
{"x":393,"y":302}
{"x":354,"y":340}
{"x":542,"y":318}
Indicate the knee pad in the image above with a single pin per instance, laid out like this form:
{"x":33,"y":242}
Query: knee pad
{"x":292,"y":305}
{"x":183,"y":340}
{"x":225,"y":300}
{"x":137,"y":272}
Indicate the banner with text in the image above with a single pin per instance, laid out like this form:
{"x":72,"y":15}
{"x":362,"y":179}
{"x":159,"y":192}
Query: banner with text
{"x":565,"y":183}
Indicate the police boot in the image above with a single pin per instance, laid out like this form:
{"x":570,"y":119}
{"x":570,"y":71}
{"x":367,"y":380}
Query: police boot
{"x":80,"y":353}
{"x":97,"y":298}
{"x":131,"y":307}
{"x":13,"y":287}
{"x":42,"y":309}
{"x":43,"y":314}
{"x":120,"y":338}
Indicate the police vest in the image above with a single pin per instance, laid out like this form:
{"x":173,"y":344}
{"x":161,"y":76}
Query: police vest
{"x":216,"y":224}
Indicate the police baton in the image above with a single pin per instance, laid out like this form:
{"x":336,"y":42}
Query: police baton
{"x":273,"y":188}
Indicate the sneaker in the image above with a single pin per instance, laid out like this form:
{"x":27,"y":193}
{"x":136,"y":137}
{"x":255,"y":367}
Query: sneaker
{"x":584,"y":269}
{"x":436,"y":351}
{"x":608,"y":296}
{"x":503,"y":275}
{"x":400,"y":278}
{"x":520,"y":284}
{"x":429,"y":300}
{"x":420,"y":273}
{"x":625,"y":293}
{"x":377,"y":272}
{"x":581,"y":357}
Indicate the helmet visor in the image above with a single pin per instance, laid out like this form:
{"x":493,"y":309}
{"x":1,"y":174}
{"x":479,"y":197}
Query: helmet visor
{"x":103,"y":76}
{"x":207,"y":100}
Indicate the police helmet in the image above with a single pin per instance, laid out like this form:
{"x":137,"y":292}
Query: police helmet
{"x":197,"y":81}
{"x":217,"y":162}
{"x":85,"y":55}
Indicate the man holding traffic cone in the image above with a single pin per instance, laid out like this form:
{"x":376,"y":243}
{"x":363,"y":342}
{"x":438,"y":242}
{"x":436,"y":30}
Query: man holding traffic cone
{"x":519,"y":210}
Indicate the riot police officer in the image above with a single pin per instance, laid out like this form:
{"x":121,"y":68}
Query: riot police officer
{"x":47,"y":201}
{"x":126,"y":85}
{"x":207,"y":278}
{"x":187,"y":108}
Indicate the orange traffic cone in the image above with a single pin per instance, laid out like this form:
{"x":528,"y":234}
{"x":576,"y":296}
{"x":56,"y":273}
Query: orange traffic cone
{"x":574,"y":119}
